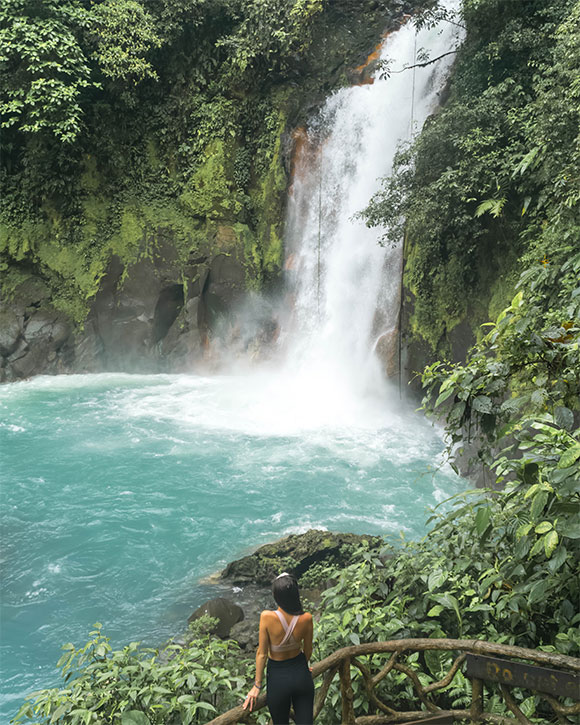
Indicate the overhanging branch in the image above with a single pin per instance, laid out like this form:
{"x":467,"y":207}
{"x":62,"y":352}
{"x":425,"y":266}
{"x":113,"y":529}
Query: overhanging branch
{"x":421,"y":65}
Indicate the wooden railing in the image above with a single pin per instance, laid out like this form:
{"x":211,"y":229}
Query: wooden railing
{"x":344,"y":659}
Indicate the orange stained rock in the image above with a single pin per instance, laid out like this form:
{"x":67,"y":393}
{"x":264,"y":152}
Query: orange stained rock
{"x":290,"y":263}
{"x":360,"y":69}
{"x":367,"y":79}
{"x":300,"y":153}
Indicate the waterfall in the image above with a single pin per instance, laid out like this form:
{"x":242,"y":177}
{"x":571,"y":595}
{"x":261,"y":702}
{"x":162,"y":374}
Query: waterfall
{"x":345,"y":288}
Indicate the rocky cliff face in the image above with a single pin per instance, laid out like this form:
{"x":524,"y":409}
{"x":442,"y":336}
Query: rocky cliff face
{"x":153,"y":316}
{"x":33,"y":336}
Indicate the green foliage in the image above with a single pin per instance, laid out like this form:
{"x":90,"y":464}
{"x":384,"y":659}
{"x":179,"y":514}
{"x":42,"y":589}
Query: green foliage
{"x":270,"y":34}
{"x":138,"y":685}
{"x":493,"y":167}
{"x":478,"y":184}
{"x":528,"y":362}
{"x":114,"y":110}
{"x":44,"y":70}
{"x":501,"y":567}
{"x":122,"y":34}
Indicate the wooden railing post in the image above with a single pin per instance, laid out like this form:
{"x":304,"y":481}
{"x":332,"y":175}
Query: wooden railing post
{"x":323,"y":691}
{"x":346,"y":693}
{"x":476,"y":700}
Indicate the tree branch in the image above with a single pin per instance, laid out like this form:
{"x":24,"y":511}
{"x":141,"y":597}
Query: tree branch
{"x":421,"y":65}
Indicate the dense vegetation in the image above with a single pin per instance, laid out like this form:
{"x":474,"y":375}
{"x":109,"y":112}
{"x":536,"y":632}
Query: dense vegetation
{"x":491,"y":185}
{"x":126,"y":123}
{"x":495,"y":174}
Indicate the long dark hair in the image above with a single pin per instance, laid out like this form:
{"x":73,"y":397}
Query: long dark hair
{"x":286,"y":594}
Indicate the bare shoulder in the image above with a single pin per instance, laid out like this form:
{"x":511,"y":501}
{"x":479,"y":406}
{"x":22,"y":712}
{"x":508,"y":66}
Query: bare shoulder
{"x":307,"y":617}
{"x":267,"y":614}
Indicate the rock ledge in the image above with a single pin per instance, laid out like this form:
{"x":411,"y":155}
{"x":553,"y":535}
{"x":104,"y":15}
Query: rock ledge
{"x":296,"y":554}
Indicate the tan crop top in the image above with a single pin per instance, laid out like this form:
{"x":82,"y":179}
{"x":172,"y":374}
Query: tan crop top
{"x":288,"y":643}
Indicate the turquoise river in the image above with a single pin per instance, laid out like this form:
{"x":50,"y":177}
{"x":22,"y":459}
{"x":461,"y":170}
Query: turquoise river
{"x":121,"y":494}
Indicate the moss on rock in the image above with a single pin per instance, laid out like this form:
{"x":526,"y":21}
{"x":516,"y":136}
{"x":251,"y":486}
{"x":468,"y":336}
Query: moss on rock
{"x":296,"y":554}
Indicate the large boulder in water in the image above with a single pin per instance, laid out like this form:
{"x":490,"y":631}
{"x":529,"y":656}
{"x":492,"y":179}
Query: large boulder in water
{"x":294,"y":554}
{"x":223,"y":610}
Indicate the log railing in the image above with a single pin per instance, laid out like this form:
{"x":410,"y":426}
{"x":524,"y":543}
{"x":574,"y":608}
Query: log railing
{"x":343,"y":660}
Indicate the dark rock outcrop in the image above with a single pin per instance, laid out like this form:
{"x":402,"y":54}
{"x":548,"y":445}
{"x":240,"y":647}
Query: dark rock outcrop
{"x":34,"y":338}
{"x":295,"y":554}
{"x":156,"y":315}
{"x":245,"y":584}
{"x":226,"y":612}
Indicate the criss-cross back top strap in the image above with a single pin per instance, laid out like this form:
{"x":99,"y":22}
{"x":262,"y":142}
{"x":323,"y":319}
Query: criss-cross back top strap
{"x":288,"y":643}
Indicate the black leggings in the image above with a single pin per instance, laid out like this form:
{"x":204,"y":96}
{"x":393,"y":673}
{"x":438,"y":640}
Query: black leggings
{"x":290,"y":683}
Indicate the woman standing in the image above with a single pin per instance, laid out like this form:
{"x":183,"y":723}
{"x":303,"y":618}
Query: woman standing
{"x":286,"y":636}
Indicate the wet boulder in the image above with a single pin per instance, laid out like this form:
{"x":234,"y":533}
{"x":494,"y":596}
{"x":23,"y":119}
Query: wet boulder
{"x":10,"y":331}
{"x":223,"y":610}
{"x":246,"y":634}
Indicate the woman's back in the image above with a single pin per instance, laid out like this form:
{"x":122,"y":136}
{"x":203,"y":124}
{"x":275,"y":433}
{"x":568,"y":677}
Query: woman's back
{"x":285,"y":643}
{"x":274,"y":621}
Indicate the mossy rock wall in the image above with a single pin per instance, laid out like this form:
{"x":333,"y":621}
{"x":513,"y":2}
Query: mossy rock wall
{"x":151,"y":237}
{"x":143,"y":284}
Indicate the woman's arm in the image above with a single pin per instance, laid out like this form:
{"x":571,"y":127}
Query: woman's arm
{"x":261,"y":657}
{"x":308,"y":638}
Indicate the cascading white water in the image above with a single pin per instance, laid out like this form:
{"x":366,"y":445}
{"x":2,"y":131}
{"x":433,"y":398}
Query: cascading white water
{"x":347,"y":287}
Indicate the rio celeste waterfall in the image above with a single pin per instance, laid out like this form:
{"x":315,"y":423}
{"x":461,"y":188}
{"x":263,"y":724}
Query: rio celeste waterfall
{"x":121,"y":494}
{"x":345,"y":287}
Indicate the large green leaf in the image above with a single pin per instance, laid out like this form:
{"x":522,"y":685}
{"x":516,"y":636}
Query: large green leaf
{"x":558,"y":559}
{"x":570,"y":529}
{"x":205,"y":706}
{"x":134,"y":717}
{"x":448,"y":601}
{"x":538,"y":503}
{"x":436,"y":579}
{"x":550,"y":543}
{"x":570,"y":456}
{"x":482,"y":404}
{"x":557,"y":475}
{"x":482,"y":519}
{"x":443,"y":396}
{"x":538,"y":591}
{"x":564,"y":417}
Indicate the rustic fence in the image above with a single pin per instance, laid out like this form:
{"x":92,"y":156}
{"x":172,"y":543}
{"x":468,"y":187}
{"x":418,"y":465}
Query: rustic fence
{"x":481,"y":666}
